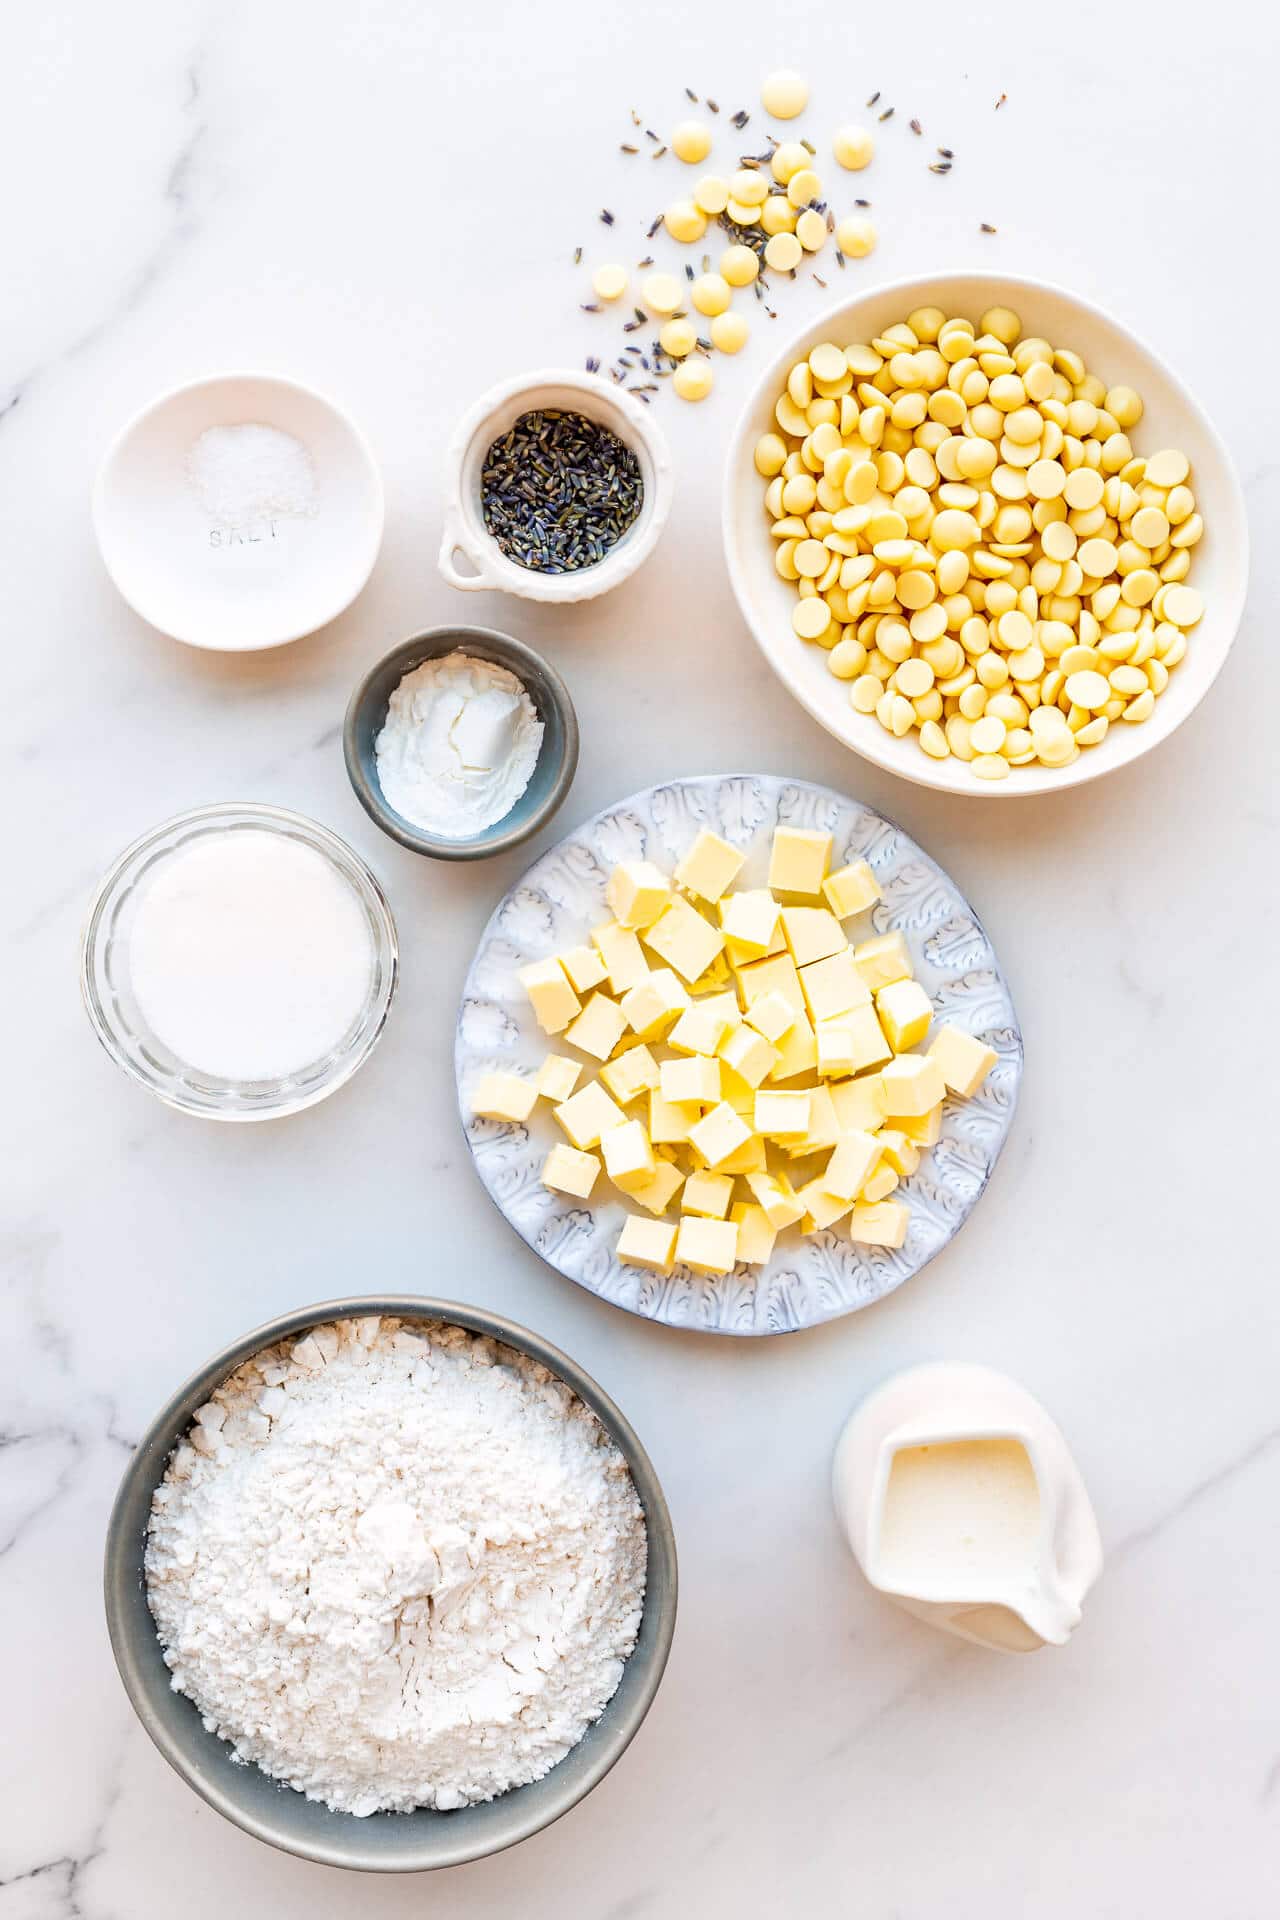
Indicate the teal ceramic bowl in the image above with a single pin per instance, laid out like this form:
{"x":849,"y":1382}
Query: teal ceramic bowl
{"x":557,"y":760}
{"x":276,"y":1813}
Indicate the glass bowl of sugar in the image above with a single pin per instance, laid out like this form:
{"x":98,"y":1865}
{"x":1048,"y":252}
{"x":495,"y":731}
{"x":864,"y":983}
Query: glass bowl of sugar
{"x":239,"y":962}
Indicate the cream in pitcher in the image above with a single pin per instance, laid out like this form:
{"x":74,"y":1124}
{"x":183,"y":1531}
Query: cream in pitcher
{"x":962,"y":1503}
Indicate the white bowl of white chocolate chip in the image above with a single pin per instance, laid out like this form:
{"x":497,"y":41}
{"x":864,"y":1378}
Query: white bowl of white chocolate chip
{"x":984,"y":535}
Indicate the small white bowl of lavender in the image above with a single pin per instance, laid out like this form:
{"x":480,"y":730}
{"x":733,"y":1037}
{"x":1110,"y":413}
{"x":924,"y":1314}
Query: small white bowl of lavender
{"x":560,"y":485}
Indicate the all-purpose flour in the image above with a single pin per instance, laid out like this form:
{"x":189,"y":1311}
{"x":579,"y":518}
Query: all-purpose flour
{"x":396,"y":1565}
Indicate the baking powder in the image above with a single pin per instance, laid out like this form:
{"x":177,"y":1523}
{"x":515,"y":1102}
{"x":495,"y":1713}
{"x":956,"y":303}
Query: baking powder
{"x":459,"y":745}
{"x":396,"y":1565}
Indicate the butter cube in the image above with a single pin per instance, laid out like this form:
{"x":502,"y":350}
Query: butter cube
{"x":782,"y":1116}
{"x":963,"y":1062}
{"x":622,"y":955}
{"x":669,"y":1123}
{"x":775,"y":975}
{"x":922,"y":1130}
{"x":771,"y":1014}
{"x":798,"y":860}
{"x":726,"y":1005}
{"x":710,"y":867}
{"x":628,"y":1155}
{"x":882,"y":1225}
{"x":854,"y":1161}
{"x":708,"y":1194}
{"x":647,"y":1243}
{"x":557,"y":1078}
{"x":631,"y":1074}
{"x":901,"y":1154}
{"x":797,"y":1051}
{"x":584,"y":967}
{"x":660,"y":1189}
{"x":860,"y":1105}
{"x":776,"y":1198}
{"x":905,"y":1011}
{"x":719,"y":1134}
{"x":685,"y":940}
{"x":707,"y":1246}
{"x":851,"y":890}
{"x":504,"y":1096}
{"x":749,"y":922}
{"x":588,"y":1114}
{"x":879,"y":1185}
{"x":566,"y":1170}
{"x":812,"y":933}
{"x":553,"y":1000}
{"x":695,"y":1078}
{"x":912,"y":1084}
{"x":749,"y":1055}
{"x":700,"y":1028}
{"x":598,"y":1028}
{"x":833,"y":986}
{"x":870,"y":1047}
{"x":823,"y":1129}
{"x":651,"y":1007}
{"x":716,"y":976}
{"x":821,"y":1209}
{"x":836,"y":1054}
{"x":883,"y":960}
{"x":751,"y":1157}
{"x":637,"y":893}
{"x":755,"y":1235}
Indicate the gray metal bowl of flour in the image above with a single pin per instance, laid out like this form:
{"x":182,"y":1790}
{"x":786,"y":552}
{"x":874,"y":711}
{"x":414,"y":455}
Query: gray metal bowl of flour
{"x":271,"y":1811}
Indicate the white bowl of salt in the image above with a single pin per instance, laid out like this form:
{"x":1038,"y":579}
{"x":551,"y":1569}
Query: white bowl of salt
{"x":239,"y":512}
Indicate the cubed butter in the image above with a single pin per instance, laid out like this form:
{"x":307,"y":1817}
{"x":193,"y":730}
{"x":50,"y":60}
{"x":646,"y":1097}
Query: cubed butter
{"x":716,"y":977}
{"x":751,"y":1157}
{"x":782,"y":1116}
{"x":700,"y":1028}
{"x":749,"y":1055}
{"x":685,"y":940}
{"x":647,"y":1243}
{"x":870,"y":1047}
{"x":668,"y":1123}
{"x":749,"y":921}
{"x":776,"y":1198}
{"x":628,"y":1155}
{"x":882,"y":1225}
{"x":693,"y":1078}
{"x":567,"y":1171}
{"x":504,"y":1096}
{"x":797,"y":1051}
{"x":812,"y":933}
{"x":922,"y":1130}
{"x":798,"y":860}
{"x":637,"y":893}
{"x":963,"y":1062}
{"x":598,"y":1028}
{"x":776,"y":975}
{"x":708,"y":1194}
{"x":584,"y":967}
{"x":772,"y":1014}
{"x":835,"y":1049}
{"x":879,"y":1184}
{"x":557,"y":1078}
{"x":901,"y":1154}
{"x":905,"y":1011}
{"x":588,"y":1114}
{"x":660,"y":1189}
{"x":553,"y":1000}
{"x":707,"y":1246}
{"x":912,"y":1084}
{"x":719,"y":1134}
{"x":821,"y":1208}
{"x":823,"y":1129}
{"x":622,"y":955}
{"x":631,"y":1074}
{"x":882,"y":960}
{"x":833,"y":986}
{"x":855,"y":1158}
{"x":851,"y":890}
{"x":755,"y":1235}
{"x":710,"y":867}
{"x":860,"y":1104}
{"x":651,"y":1006}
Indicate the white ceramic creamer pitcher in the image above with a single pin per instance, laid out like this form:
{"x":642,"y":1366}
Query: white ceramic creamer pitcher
{"x":962,"y":1503}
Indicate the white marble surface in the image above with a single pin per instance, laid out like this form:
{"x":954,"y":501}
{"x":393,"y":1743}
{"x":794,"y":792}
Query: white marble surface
{"x":383,"y":199}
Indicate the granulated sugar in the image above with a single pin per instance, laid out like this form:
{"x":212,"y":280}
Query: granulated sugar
{"x":396,"y":1565}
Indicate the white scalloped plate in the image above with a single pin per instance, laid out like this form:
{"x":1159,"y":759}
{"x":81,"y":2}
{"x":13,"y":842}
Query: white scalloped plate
{"x":562,"y":897}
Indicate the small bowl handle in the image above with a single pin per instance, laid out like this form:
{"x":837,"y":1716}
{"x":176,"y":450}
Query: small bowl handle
{"x":452,"y":542}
